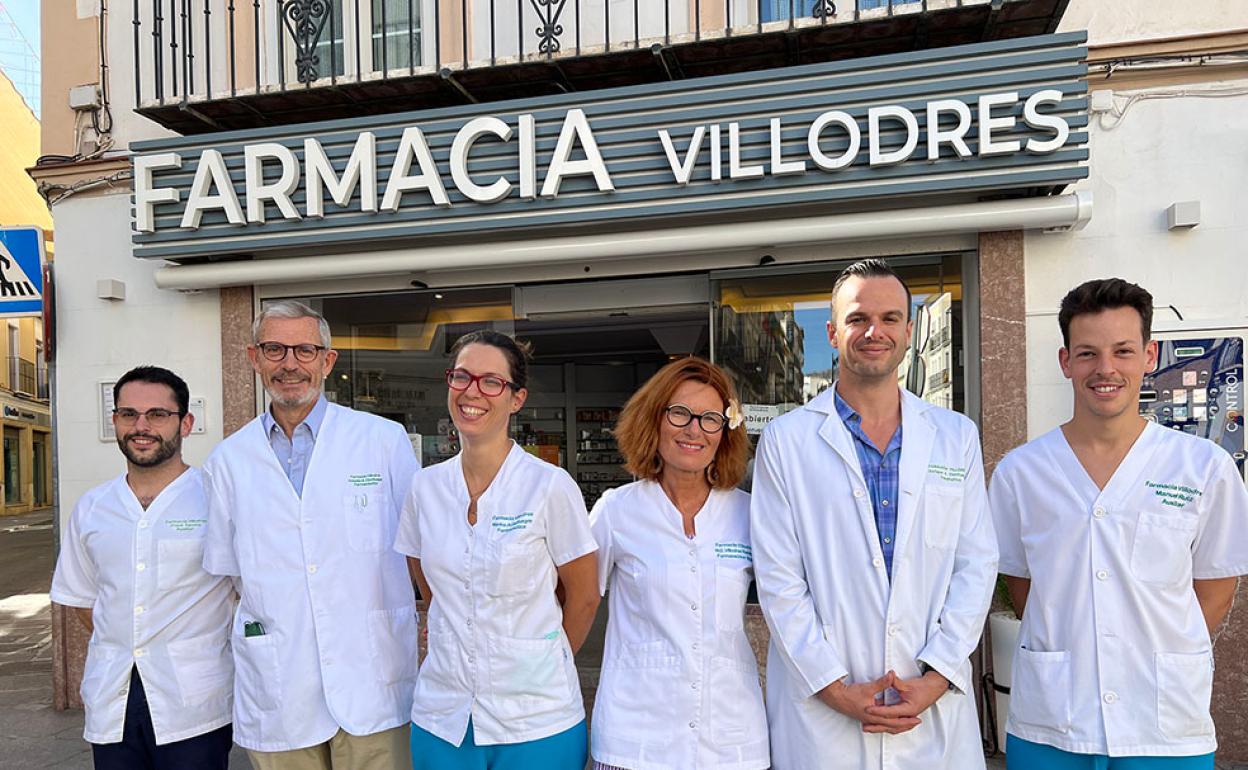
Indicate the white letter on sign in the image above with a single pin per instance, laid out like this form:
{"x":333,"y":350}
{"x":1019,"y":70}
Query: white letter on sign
{"x":955,"y":136}
{"x":891,"y":112}
{"x":412,"y":146}
{"x":576,"y":127}
{"x":464,"y":139}
{"x":1055,"y":123}
{"x":145,"y":196}
{"x":212,"y":173}
{"x":845,"y":121}
{"x":988,"y":124}
{"x":279,"y":192}
{"x":361,"y":170}
{"x":683,"y":170}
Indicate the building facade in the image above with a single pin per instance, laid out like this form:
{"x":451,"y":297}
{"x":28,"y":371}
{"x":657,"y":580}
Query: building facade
{"x":625,"y":183}
{"x":25,"y":413}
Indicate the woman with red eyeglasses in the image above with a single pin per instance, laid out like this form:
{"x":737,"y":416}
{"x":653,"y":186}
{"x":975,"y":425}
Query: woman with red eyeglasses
{"x":489,"y":534}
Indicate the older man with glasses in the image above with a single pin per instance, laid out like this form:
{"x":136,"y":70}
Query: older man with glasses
{"x":157,"y":682}
{"x":303,"y":506}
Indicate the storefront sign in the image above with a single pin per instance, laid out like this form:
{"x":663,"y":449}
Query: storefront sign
{"x":1002,"y":115}
{"x":13,"y":413}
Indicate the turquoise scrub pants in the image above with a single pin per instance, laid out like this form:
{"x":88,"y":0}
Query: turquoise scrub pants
{"x":1025,"y":755}
{"x":568,"y":750}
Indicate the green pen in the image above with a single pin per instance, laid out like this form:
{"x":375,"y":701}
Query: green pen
{"x":253,"y":628}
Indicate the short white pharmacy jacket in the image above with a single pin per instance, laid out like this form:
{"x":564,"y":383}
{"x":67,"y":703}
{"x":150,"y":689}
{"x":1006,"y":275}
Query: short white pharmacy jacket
{"x":833,"y":609}
{"x":497,"y":650}
{"x":1114,"y":656}
{"x":679,"y":687}
{"x":335,"y":604}
{"x":153,"y":606}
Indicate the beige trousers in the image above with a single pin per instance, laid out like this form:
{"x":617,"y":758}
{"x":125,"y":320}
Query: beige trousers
{"x":386,"y":750}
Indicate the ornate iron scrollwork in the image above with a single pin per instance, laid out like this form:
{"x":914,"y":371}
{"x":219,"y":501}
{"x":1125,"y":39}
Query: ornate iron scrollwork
{"x":305,"y":20}
{"x":824,"y":9}
{"x":548,"y":13}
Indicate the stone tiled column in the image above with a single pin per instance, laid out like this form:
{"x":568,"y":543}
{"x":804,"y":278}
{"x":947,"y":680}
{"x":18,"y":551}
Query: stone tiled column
{"x":1002,"y":345}
{"x":238,"y":380}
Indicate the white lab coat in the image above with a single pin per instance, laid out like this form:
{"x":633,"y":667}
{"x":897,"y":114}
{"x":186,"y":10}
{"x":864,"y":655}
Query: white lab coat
{"x":831,"y":607}
{"x":1114,"y":656}
{"x":153,"y":606}
{"x":497,"y":650}
{"x":336,"y":604}
{"x":679,"y":686}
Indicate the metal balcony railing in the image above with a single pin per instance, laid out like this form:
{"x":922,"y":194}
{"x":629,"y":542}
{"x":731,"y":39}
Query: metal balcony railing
{"x":204,"y":65}
{"x":42,"y":390}
{"x":22,"y":375}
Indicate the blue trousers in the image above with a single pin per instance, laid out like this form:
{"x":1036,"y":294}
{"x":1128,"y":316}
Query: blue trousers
{"x":568,"y":750}
{"x":138,"y":750}
{"x":1026,"y":755}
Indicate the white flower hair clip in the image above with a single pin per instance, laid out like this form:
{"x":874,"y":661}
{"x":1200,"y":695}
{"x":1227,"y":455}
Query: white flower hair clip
{"x":734,"y":414}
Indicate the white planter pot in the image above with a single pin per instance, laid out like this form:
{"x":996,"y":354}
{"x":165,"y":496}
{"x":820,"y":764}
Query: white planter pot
{"x":1004,"y":628}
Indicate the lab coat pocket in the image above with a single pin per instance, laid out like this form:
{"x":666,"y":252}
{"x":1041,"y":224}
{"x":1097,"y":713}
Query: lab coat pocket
{"x":731,"y":587}
{"x":179,"y":562}
{"x":202,"y":667}
{"x":1162,"y":552}
{"x":258,"y":671}
{"x":942,"y":517}
{"x":392,"y":641}
{"x":737,"y":715}
{"x":1041,"y":689}
{"x":367,"y":513}
{"x":514,"y":567}
{"x":530,"y":676}
{"x":439,"y":681}
{"x":98,"y":676}
{"x":1184,"y":688}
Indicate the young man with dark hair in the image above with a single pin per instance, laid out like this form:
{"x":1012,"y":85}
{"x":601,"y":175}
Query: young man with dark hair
{"x":874,"y":557}
{"x":1121,"y":543}
{"x":158,"y":680}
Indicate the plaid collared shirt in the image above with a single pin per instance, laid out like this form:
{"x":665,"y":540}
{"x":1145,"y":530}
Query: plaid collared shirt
{"x":881,"y":471}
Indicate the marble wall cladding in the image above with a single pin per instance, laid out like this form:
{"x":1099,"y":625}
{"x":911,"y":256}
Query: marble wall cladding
{"x":1003,"y":344}
{"x":69,"y":655}
{"x":238,"y":380}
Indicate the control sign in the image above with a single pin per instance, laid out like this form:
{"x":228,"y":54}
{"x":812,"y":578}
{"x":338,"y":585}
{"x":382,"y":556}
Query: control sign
{"x":21,"y":271}
{"x":1198,"y":388}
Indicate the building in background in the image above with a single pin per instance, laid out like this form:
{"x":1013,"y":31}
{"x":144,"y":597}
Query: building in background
{"x":24,"y":394}
{"x":624,"y":183}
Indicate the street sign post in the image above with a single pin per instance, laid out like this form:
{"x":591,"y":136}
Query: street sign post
{"x":21,"y":271}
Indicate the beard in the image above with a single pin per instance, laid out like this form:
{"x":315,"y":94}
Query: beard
{"x":164,"y":450}
{"x":292,"y":402}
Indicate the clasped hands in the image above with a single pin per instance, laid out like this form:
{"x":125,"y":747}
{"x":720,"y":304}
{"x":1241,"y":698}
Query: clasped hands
{"x":865,"y":701}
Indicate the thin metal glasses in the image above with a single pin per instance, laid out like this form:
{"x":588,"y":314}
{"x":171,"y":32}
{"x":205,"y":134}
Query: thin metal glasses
{"x":679,"y":415}
{"x":157,"y":417}
{"x":490,"y":385}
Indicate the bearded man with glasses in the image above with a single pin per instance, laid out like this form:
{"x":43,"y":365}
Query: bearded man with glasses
{"x":157,"y":681}
{"x":303,"y":505}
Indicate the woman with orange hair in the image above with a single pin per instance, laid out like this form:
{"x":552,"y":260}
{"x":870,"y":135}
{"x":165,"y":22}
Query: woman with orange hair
{"x":679,"y":686}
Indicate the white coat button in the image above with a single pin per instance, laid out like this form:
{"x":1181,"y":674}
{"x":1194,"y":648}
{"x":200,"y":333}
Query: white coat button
{"x":1110,"y":697}
{"x":884,"y":503}
{"x":143,"y":524}
{"x":138,"y":610}
{"x":694,"y":607}
{"x":311,"y":569}
{"x":139,"y":652}
{"x":693,"y":568}
{"x":693,"y":685}
{"x":892,"y":630}
{"x":693,"y":725}
{"x":877,"y":561}
{"x":858,"y":493}
{"x":1098,"y":512}
{"x":467,"y":586}
{"x":140,"y":566}
{"x":1102,"y":575}
{"x":695,"y":646}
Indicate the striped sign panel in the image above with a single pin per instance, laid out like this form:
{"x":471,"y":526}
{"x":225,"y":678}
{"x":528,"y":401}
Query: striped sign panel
{"x":749,"y":145}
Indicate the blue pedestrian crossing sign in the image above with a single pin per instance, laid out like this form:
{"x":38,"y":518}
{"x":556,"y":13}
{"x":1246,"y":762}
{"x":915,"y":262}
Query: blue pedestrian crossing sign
{"x":21,"y":271}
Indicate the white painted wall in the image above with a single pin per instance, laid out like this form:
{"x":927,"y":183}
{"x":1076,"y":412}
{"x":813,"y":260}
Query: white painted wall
{"x":1187,"y":148}
{"x":100,"y":339}
{"x":1109,"y":21}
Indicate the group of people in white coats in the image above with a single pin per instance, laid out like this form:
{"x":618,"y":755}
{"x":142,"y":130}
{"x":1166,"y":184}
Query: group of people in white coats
{"x":269,"y":592}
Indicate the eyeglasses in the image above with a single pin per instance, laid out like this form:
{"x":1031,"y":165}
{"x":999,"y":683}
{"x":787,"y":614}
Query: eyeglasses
{"x":489,"y":384}
{"x":679,"y":415}
{"x":156,"y":418}
{"x":276,"y":351}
